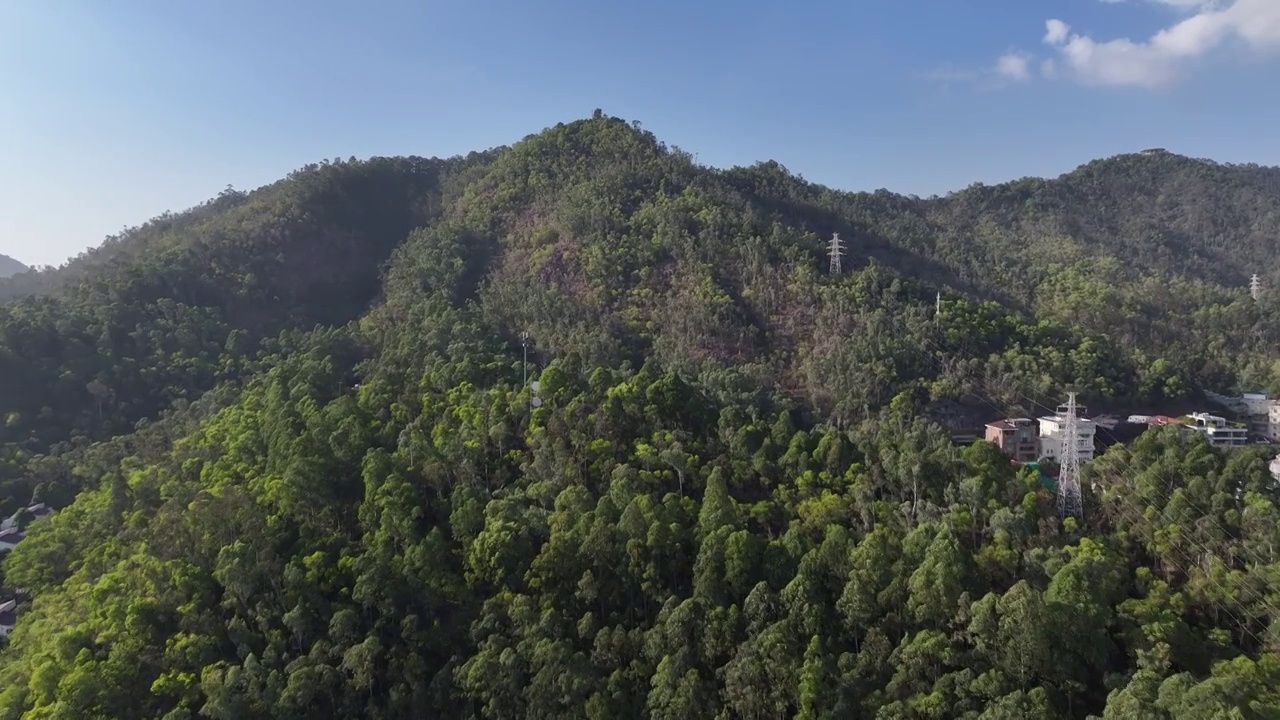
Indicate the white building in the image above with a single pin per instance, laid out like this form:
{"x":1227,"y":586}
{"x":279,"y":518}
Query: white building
{"x":1273,"y":417}
{"x":1275,"y":468}
{"x":1217,"y":430}
{"x":1051,"y":440}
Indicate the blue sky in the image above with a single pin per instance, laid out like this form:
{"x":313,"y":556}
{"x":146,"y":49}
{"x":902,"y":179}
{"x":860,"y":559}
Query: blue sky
{"x":113,"y":112}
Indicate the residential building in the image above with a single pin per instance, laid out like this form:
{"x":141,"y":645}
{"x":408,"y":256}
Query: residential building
{"x":1016,"y":438}
{"x":10,"y":538}
{"x":8,"y":616}
{"x":1052,"y":440}
{"x":1217,"y":430}
{"x":1257,"y":409}
{"x":1275,"y":468}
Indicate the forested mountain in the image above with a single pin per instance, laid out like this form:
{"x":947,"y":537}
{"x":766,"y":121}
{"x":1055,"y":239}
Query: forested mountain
{"x":299,"y":474}
{"x":9,"y":266}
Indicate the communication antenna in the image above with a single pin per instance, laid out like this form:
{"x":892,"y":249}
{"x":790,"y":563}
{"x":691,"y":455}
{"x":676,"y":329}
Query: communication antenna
{"x":524,"y":345}
{"x":835,"y":249}
{"x":534,"y":400}
{"x":1069,"y":502}
{"x":937,"y":305}
{"x":1255,"y":286}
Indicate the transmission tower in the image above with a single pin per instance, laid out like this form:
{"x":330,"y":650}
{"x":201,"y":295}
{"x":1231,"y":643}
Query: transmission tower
{"x":835,"y":250}
{"x":1069,"y":502}
{"x":1255,"y":286}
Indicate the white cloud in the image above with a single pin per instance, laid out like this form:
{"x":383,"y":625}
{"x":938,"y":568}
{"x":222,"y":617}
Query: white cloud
{"x":1189,"y":4}
{"x":1177,"y":4}
{"x":1158,"y":60}
{"x":1056,"y":31}
{"x":1014,"y":66}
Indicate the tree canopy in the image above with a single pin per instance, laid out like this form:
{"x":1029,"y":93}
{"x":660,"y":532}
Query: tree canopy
{"x":299,"y":472}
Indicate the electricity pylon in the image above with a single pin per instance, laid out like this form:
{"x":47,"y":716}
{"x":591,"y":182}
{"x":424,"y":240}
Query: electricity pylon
{"x":1069,"y":502}
{"x":835,"y":250}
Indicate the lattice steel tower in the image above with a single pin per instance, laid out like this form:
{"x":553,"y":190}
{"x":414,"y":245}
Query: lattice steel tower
{"x":1255,"y":286}
{"x":1069,"y":501}
{"x":835,"y":250}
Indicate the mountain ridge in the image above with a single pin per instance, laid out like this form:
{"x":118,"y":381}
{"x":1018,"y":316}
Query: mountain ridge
{"x":937,"y":205}
{"x":10,"y":267}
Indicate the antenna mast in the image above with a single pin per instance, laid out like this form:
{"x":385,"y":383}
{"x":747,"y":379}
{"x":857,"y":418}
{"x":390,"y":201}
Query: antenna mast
{"x":1255,"y":287}
{"x":835,"y":250}
{"x":1069,"y":501}
{"x":524,"y":345}
{"x":534,"y":400}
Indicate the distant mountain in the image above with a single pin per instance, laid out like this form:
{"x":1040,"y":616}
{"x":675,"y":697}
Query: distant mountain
{"x":10,"y":267}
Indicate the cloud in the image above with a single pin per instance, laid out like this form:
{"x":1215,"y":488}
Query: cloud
{"x":1014,"y":66}
{"x":1157,"y":61}
{"x":1056,"y":31}
{"x":1177,"y":4}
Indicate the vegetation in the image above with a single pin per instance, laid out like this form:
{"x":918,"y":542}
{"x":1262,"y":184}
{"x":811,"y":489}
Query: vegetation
{"x":299,"y":474}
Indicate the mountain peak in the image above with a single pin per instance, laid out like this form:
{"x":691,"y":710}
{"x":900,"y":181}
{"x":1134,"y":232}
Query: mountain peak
{"x":10,"y":267}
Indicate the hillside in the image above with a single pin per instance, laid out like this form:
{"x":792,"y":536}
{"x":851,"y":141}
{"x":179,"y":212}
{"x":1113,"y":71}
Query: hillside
{"x":299,"y":474}
{"x":10,"y":267}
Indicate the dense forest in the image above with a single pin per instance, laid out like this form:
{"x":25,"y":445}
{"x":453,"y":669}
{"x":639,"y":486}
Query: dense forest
{"x":299,"y":470}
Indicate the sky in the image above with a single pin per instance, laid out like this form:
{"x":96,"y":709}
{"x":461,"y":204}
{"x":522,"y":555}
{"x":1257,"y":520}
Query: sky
{"x":114,"y":112}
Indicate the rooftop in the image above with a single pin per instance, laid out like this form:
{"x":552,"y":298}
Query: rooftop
{"x":1084,"y":422}
{"x":1010,"y":423}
